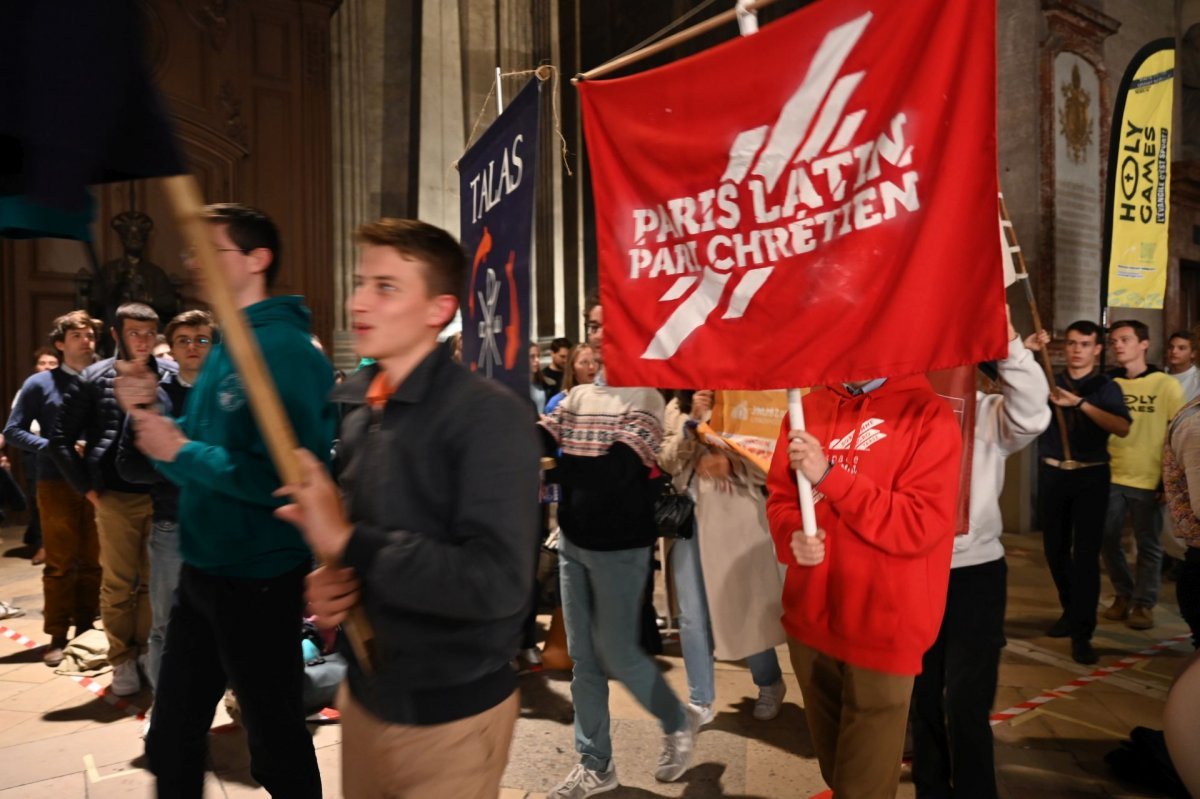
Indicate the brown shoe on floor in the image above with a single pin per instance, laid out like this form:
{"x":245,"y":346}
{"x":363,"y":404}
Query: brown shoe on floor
{"x":1141,"y":619}
{"x":54,"y":652}
{"x":1118,"y":610}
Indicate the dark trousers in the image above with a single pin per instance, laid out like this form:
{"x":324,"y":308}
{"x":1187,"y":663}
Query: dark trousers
{"x":33,"y":533}
{"x":1073,"y":505}
{"x":245,"y":632}
{"x":1187,"y":591}
{"x":952,"y":697}
{"x":529,"y":629}
{"x":856,"y":718}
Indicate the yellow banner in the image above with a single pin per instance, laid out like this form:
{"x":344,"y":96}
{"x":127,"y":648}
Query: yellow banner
{"x":1140,"y":186}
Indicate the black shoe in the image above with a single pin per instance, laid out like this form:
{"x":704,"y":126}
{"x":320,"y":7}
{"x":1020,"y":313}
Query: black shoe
{"x":1082,"y":652}
{"x":1060,"y":628}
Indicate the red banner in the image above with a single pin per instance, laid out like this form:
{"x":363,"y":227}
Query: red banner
{"x":812,"y":203}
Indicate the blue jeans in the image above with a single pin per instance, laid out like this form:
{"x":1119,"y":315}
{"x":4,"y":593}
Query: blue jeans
{"x":1147,"y":526}
{"x":695,"y":629}
{"x":165,"y":563}
{"x":602,"y":600}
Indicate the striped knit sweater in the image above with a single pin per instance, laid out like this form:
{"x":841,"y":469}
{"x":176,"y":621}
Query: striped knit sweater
{"x":609,"y":439}
{"x":592,"y":418}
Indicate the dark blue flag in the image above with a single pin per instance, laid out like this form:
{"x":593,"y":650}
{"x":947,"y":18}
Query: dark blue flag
{"x":497,"y":180}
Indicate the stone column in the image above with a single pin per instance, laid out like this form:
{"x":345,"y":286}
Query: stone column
{"x":442,"y":136}
{"x":1076,"y":113}
{"x":357,"y":52}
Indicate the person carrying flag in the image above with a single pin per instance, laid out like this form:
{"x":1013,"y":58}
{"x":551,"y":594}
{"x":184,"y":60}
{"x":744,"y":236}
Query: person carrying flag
{"x":438,"y":468}
{"x":953,"y":751}
{"x":863,"y":597}
{"x":239,"y":601}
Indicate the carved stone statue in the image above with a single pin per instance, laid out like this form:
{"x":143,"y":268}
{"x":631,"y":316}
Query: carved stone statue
{"x":132,"y":278}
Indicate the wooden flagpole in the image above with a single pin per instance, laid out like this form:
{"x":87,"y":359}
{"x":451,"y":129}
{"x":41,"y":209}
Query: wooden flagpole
{"x":669,"y":42}
{"x":1010,"y":235}
{"x":184,"y":195}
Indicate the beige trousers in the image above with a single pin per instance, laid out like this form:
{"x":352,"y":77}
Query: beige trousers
{"x":123,"y":521}
{"x":856,"y":718}
{"x":462,"y":759}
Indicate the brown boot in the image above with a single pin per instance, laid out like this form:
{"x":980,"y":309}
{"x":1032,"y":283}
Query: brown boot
{"x":1141,"y":619}
{"x":54,"y":652}
{"x":1118,"y":610}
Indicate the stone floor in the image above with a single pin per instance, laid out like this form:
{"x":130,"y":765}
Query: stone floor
{"x":59,"y":740}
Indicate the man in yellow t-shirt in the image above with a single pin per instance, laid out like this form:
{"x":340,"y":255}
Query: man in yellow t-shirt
{"x":1152,"y":397}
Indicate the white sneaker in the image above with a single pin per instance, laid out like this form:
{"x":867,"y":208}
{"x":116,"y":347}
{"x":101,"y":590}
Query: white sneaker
{"x":583,"y":782}
{"x":678,"y":749}
{"x":126,"y":681}
{"x":704,"y":712}
{"x":770,"y":701}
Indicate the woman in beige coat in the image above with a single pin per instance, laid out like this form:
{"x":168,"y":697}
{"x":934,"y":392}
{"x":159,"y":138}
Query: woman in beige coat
{"x":727,"y":579}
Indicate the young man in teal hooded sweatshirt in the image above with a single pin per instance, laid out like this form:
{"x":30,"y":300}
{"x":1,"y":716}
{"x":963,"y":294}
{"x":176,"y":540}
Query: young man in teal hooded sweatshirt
{"x":238,"y":606}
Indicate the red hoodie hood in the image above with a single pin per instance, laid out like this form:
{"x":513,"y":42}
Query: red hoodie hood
{"x":887,"y":509}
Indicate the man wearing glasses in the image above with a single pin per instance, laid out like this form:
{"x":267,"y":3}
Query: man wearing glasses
{"x":241,"y":586}
{"x":190,"y":335}
{"x":90,"y":414}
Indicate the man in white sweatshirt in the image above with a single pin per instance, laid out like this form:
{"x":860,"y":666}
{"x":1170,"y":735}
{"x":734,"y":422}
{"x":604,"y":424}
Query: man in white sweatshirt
{"x":952,"y":697}
{"x":1181,"y":353}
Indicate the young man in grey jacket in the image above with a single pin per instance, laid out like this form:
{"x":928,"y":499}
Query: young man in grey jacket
{"x":439,"y":470}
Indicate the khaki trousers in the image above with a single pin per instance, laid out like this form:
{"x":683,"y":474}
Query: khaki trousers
{"x":857,"y":719}
{"x":71,"y":578}
{"x":123,"y":521}
{"x":462,"y":759}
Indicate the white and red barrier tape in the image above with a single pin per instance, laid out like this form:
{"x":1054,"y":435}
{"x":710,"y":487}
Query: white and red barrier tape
{"x":1079,"y":682}
{"x":1056,"y":693}
{"x":120,"y":703}
{"x":13,"y":635}
{"x":324,"y":716}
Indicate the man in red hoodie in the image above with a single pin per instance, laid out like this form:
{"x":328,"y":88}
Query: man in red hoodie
{"x":864,"y":597}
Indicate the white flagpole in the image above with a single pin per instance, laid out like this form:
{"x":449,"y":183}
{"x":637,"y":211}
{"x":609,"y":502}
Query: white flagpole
{"x":808,"y":510}
{"x":748,"y":24}
{"x":746,"y":17}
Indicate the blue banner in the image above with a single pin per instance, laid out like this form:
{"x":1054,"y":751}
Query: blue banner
{"x":497,"y":190}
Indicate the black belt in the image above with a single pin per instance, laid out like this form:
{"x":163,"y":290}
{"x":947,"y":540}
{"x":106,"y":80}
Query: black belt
{"x":1071,"y":465}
